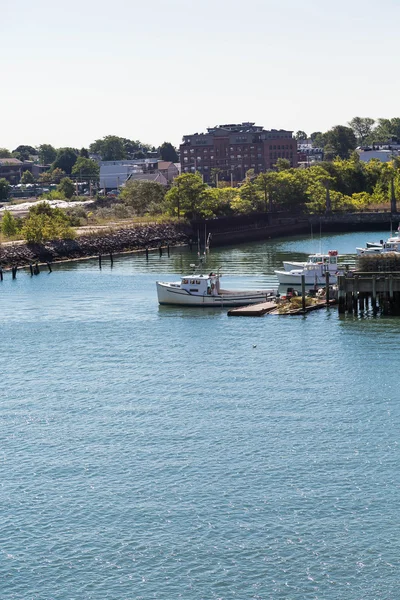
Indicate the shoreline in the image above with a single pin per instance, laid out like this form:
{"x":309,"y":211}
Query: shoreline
{"x":121,"y":241}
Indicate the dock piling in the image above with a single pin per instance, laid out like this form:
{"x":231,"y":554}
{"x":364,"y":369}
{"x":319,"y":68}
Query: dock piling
{"x":303,"y":292}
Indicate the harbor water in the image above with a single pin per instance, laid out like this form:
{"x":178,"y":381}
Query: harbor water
{"x":155,"y":452}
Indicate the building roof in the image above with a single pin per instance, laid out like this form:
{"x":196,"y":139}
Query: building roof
{"x":10,"y":161}
{"x":157,"y":177}
{"x":164,"y":164}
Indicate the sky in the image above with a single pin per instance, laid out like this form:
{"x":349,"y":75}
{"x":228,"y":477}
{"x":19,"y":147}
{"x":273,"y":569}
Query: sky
{"x":73,"y":72}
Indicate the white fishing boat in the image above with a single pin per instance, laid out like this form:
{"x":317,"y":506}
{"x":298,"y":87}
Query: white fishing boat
{"x":311,"y":259}
{"x":205,"y":290}
{"x":314,"y":270}
{"x":392,"y":244}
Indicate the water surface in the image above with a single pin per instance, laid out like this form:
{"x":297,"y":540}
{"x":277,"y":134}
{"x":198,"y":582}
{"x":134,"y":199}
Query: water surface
{"x":161,"y":452}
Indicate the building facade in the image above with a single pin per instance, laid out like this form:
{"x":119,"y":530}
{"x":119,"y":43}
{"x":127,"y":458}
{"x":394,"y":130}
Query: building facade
{"x":234,"y":149}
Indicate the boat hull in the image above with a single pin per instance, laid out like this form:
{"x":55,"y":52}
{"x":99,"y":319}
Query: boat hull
{"x":173,"y":295}
{"x":288,"y":278}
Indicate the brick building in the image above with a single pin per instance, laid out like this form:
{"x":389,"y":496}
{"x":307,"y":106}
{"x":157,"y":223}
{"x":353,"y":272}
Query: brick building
{"x":234,"y":149}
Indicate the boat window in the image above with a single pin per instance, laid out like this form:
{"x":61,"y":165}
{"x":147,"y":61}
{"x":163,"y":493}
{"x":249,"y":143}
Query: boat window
{"x":185,"y":281}
{"x":332,"y":260}
{"x":197,"y":281}
{"x":192,"y":282}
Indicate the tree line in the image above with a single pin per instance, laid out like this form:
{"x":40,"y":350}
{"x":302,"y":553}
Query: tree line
{"x":341,"y":140}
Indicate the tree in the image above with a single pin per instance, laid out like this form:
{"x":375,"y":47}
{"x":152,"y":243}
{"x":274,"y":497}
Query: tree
{"x":362,"y":127}
{"x":143,"y":196}
{"x":186,"y":195}
{"x":139,"y":154}
{"x":66,"y":187}
{"x":25,"y":152}
{"x":27,"y":177}
{"x":168,"y":152}
{"x":46,"y":177}
{"x":282,"y":164}
{"x":341,"y":139}
{"x":8,"y":224}
{"x":45,"y":223}
{"x":84,"y":152}
{"x":301,"y":135}
{"x":4,"y":153}
{"x":111,"y":147}
{"x":47,"y":154}
{"x":86,"y":169}
{"x":57,"y":174}
{"x":4,"y":188}
{"x":317,"y":139}
{"x":65,"y":160}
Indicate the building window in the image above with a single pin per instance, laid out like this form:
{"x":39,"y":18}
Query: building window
{"x":191,"y":150}
{"x":185,"y":152}
{"x":212,"y":156}
{"x":185,"y":159}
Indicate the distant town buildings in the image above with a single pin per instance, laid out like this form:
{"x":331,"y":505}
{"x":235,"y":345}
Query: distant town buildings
{"x":233,"y":149}
{"x":114,"y":173}
{"x":382,"y":152}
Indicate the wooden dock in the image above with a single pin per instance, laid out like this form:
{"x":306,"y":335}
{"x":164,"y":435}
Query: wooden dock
{"x":272,"y":308}
{"x":253,"y":310}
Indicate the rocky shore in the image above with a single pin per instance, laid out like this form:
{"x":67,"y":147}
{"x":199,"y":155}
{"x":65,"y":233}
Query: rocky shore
{"x":133,"y":238}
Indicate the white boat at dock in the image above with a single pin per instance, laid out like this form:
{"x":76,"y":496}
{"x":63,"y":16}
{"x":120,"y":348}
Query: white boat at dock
{"x":205,"y":290}
{"x":314,"y":270}
{"x":392,"y":244}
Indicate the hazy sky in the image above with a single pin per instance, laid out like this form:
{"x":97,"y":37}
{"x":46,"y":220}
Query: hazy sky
{"x":155,"y":70}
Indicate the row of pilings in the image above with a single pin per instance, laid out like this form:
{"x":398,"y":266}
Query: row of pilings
{"x":360,"y":292}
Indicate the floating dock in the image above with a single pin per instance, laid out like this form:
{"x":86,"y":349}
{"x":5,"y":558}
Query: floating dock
{"x":272,"y":308}
{"x":253,"y":310}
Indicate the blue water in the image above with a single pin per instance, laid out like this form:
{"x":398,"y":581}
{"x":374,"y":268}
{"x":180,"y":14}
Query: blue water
{"x":157,"y":452}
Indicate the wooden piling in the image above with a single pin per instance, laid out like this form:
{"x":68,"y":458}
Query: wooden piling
{"x":14,"y":272}
{"x":31,"y":269}
{"x":168,"y":249}
{"x":1,"y":274}
{"x":99,"y":261}
{"x":327,"y":288}
{"x":147,"y":254}
{"x":111,"y":259}
{"x":160,"y":251}
{"x":49,"y":267}
{"x":36,"y":269}
{"x":303,"y":292}
{"x":341,"y":294}
{"x":373,"y":299}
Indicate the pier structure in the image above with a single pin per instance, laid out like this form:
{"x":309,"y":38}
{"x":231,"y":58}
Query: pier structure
{"x":357,"y":291}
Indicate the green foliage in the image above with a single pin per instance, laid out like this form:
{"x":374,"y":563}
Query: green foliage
{"x":27,"y":177}
{"x":47,"y":154}
{"x":4,"y":188}
{"x":52,"y":195}
{"x":45,"y":223}
{"x":111,"y":147}
{"x":301,"y":135}
{"x":340,"y":140}
{"x":84,"y":152}
{"x":25,"y":152}
{"x":168,"y":152}
{"x":86,"y":169}
{"x":186,"y":196}
{"x":282,"y":164}
{"x":66,"y":187}
{"x":4,"y":153}
{"x":57,"y":174}
{"x":362,"y":127}
{"x":143,"y":196}
{"x":9,"y":224}
{"x":65,"y":160}
{"x":317,"y":139}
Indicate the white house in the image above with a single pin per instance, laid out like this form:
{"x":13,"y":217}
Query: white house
{"x":113,"y":173}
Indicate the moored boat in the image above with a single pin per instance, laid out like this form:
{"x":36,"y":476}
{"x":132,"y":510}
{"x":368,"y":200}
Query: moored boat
{"x":314,"y":270}
{"x":205,"y":290}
